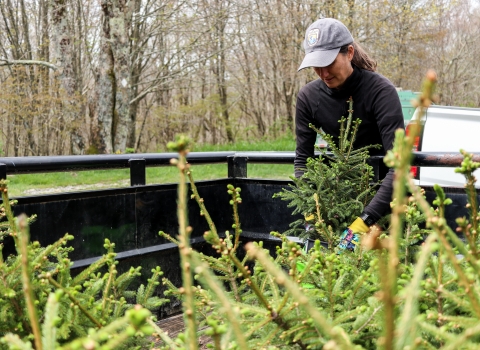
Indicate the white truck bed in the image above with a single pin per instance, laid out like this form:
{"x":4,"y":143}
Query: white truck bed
{"x":449,"y":129}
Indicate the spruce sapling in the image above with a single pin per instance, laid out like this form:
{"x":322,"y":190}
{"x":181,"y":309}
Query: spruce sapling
{"x":334,"y":188}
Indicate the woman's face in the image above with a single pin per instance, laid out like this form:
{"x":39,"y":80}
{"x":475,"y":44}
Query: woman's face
{"x":336,"y":73}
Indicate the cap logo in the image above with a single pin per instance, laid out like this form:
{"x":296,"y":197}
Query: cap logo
{"x":313,"y":36}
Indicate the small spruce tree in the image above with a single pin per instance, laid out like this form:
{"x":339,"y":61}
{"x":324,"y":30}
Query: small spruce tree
{"x":42,"y":303}
{"x":334,"y":188}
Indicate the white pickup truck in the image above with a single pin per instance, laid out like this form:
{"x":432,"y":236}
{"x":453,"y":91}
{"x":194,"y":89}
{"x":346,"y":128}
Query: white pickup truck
{"x":448,"y":129}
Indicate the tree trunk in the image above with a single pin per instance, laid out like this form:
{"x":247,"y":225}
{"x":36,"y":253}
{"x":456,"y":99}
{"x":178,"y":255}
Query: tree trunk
{"x":114,"y":77}
{"x":136,"y":53}
{"x":64,"y":49}
{"x":221,"y":69}
{"x":105,"y":94}
{"x":119,"y":34}
{"x":250,"y":104}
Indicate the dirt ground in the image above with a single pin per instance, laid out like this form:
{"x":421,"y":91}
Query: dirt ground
{"x":76,"y":188}
{"x":174,"y":325}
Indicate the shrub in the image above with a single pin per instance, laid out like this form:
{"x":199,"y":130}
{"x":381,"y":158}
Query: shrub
{"x":41,"y":302}
{"x":334,"y":188}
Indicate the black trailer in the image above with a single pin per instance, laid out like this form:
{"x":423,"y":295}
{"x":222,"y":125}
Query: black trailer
{"x":131,"y":217}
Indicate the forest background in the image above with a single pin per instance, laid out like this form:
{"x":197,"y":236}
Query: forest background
{"x":116,"y":76}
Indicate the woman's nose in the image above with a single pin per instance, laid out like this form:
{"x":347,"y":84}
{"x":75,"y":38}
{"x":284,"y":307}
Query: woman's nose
{"x":322,"y":72}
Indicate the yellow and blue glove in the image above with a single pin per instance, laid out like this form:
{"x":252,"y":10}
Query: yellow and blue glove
{"x":349,"y":239}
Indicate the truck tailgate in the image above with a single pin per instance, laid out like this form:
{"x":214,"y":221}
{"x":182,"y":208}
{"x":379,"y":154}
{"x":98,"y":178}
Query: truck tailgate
{"x":449,"y":129}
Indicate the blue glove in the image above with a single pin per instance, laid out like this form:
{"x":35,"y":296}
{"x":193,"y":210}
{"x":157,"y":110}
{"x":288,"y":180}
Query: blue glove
{"x":349,"y":239}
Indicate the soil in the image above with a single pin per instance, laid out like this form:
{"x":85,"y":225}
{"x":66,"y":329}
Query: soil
{"x":76,"y":188}
{"x":174,"y":325}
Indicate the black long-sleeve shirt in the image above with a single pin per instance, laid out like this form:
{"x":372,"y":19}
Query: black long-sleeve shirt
{"x":375,"y":102}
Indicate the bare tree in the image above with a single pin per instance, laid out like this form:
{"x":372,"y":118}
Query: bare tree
{"x":101,"y":76}
{"x":63,"y":38}
{"x":455,"y":57}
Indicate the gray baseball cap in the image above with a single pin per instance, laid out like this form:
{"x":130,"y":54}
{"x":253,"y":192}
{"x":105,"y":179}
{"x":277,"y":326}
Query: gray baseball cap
{"x":323,"y":41}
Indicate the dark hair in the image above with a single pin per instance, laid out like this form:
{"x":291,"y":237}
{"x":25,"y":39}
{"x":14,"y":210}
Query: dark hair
{"x":360,"y":57}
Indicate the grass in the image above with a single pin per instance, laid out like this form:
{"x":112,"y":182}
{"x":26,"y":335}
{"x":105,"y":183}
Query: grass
{"x":35,"y":184}
{"x":284,"y":143}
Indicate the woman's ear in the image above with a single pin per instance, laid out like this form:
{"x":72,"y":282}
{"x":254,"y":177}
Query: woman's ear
{"x":351,"y":51}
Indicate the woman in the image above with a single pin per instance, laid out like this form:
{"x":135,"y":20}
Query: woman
{"x":346,"y":70}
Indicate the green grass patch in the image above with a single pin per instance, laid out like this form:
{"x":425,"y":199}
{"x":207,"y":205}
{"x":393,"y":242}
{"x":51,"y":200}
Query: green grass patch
{"x":35,"y":184}
{"x":283,"y":143}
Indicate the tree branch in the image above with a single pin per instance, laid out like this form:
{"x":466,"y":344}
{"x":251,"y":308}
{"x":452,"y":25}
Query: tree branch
{"x":5,"y":62}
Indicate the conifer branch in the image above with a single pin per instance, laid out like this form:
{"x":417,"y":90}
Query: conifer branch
{"x":73,"y":299}
{"x":49,"y":328}
{"x":320,"y":225}
{"x":323,"y":325}
{"x":442,"y":230}
{"x":406,"y":324}
{"x":203,"y":270}
{"x":435,"y":331}
{"x":347,"y":130}
{"x":342,"y":139}
{"x":460,"y":340}
{"x":168,"y":237}
{"x":247,"y":275}
{"x":52,"y":247}
{"x":181,"y":146}
{"x":82,"y":276}
{"x":152,"y":283}
{"x":203,"y":210}
{"x":439,"y":222}
{"x":467,"y":168}
{"x":116,"y":341}
{"x":390,"y":278}
{"x":121,"y":282}
{"x":222,"y":247}
{"x":440,"y":267}
{"x":115,"y":333}
{"x":212,"y":237}
{"x":365,"y":324}
{"x":14,"y":341}
{"x":235,"y":194}
{"x":7,"y":206}
{"x":163,"y":335}
{"x":22,"y":248}
{"x":233,"y":284}
{"x":108,"y":286}
{"x":399,"y":158}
